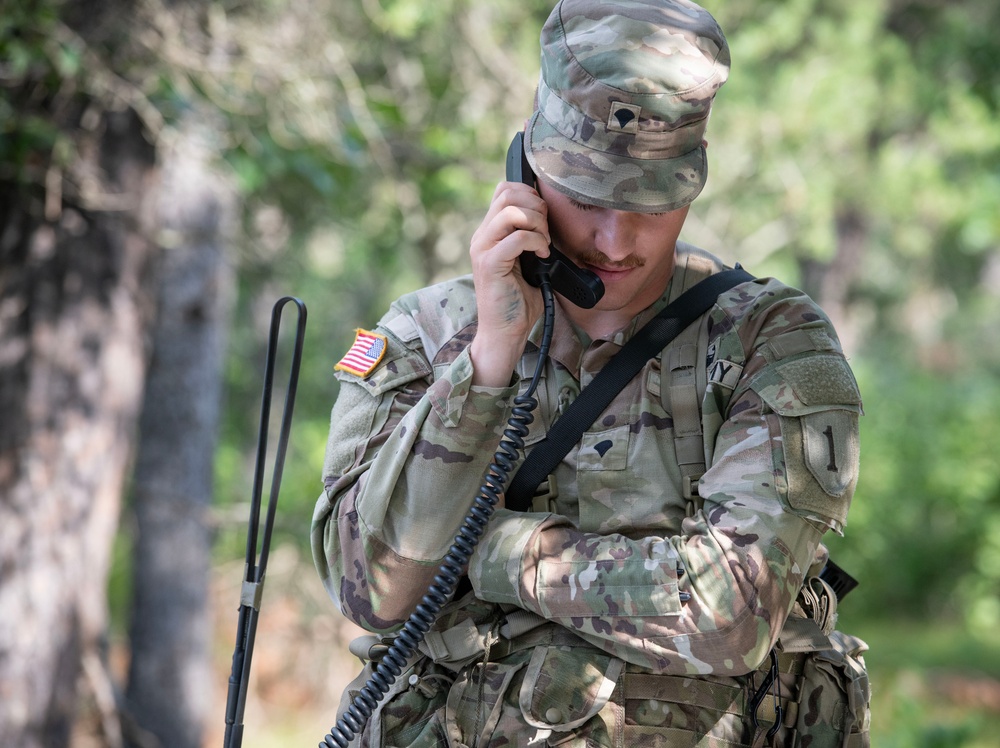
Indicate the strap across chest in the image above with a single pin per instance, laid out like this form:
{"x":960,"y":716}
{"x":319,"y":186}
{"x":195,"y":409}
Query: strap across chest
{"x":596,"y":397}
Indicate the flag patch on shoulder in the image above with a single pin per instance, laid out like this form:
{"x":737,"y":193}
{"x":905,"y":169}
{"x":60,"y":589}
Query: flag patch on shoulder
{"x":365,"y":354}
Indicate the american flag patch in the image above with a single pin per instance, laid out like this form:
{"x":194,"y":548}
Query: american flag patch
{"x":364,"y":355}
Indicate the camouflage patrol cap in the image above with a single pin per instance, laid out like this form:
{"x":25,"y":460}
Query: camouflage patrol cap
{"x":623,"y":101}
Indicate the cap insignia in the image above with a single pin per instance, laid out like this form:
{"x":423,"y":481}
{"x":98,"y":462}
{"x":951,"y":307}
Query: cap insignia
{"x":624,"y":117}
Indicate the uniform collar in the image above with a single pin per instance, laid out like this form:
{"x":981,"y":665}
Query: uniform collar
{"x":570,"y":344}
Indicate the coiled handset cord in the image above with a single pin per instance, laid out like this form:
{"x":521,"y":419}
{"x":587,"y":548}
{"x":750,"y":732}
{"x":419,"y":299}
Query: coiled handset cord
{"x":353,"y":721}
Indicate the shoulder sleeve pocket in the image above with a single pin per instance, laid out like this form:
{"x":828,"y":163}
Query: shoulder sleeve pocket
{"x":818,"y":403}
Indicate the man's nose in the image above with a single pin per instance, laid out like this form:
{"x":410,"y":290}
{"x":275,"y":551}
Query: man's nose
{"x":615,"y":234}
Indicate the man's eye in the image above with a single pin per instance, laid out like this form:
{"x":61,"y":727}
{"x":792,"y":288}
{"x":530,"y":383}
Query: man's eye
{"x":580,"y":206}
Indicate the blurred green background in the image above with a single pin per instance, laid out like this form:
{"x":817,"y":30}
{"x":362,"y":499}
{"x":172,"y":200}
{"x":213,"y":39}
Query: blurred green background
{"x":855,"y":152}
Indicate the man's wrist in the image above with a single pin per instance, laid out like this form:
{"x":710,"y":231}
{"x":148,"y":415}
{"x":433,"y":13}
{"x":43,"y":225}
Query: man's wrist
{"x":492,"y":363}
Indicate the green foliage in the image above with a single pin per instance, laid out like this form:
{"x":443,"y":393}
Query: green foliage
{"x":933,"y":683}
{"x":855,"y":151}
{"x":881,"y":111}
{"x":922,"y":531}
{"x":33,"y":64}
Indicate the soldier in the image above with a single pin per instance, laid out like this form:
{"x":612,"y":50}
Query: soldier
{"x":664,"y":588}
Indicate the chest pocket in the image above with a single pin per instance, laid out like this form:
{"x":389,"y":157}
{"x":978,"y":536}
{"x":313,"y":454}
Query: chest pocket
{"x":604,"y":450}
{"x":604,"y":482}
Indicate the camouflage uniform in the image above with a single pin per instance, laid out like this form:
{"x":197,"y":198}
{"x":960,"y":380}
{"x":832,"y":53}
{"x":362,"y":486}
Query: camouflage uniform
{"x":629,"y":575}
{"x":668,"y":566}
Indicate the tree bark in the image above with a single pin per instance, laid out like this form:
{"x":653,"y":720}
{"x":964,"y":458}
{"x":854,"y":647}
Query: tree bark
{"x":74,"y":304}
{"x":170,"y":681}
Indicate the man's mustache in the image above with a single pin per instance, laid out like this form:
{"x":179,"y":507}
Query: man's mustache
{"x":601,"y":260}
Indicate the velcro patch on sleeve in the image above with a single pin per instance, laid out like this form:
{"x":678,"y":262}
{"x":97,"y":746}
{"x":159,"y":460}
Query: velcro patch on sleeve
{"x":365,"y":353}
{"x":808,"y":384}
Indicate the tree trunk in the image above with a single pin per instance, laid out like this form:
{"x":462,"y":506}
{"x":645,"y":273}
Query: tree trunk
{"x":830,"y":283}
{"x":170,"y":682}
{"x":74,"y":303}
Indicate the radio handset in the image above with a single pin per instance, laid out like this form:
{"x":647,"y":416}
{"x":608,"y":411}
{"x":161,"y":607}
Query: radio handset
{"x":581,"y":287}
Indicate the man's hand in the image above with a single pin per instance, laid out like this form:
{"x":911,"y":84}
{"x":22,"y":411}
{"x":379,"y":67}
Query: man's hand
{"x":508,"y":307}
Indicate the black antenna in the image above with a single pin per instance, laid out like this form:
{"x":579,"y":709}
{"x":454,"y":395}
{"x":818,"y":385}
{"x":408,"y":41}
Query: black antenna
{"x":253,"y":573}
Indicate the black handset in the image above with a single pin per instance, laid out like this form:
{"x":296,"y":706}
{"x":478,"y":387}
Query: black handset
{"x":581,"y":287}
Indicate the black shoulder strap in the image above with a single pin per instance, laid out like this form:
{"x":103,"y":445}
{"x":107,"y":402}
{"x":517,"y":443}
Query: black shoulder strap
{"x":596,"y":396}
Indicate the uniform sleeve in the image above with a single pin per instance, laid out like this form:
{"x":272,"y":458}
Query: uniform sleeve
{"x":713,"y":598}
{"x":406,"y":455}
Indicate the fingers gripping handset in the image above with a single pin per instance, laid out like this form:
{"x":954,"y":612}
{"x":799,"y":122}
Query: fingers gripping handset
{"x":581,"y":287}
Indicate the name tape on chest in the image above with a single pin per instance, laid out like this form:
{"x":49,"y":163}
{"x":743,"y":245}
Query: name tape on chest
{"x":725,"y":373}
{"x":365,"y":353}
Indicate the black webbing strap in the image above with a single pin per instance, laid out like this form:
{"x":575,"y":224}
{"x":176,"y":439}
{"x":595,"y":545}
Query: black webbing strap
{"x":596,"y":396}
